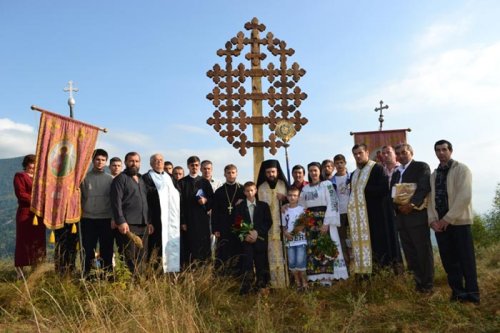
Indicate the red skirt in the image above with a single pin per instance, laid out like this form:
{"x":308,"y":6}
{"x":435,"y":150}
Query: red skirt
{"x":30,"y":239}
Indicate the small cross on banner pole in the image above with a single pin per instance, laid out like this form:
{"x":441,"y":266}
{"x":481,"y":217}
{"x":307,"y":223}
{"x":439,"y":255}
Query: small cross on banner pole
{"x":381,"y":116}
{"x":71,"y":100}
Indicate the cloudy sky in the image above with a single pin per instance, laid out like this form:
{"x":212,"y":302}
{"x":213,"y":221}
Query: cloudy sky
{"x":141,"y":70}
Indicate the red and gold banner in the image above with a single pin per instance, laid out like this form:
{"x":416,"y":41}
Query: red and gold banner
{"x":63,"y":155}
{"x":377,"y":139}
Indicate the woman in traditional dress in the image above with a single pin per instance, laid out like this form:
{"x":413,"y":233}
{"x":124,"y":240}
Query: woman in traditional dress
{"x":30,"y":239}
{"x":320,"y":198}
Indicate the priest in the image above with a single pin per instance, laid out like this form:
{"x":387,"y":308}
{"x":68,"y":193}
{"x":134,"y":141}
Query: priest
{"x":272,"y":189}
{"x":226,"y":198}
{"x":370,"y":234}
{"x":164,"y":209}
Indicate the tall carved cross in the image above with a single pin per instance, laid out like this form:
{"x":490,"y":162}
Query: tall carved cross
{"x":381,"y":116}
{"x":230,"y":96}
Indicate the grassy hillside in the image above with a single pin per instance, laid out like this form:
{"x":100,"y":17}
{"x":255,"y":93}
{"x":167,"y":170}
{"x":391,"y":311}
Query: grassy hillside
{"x":199,"y":302}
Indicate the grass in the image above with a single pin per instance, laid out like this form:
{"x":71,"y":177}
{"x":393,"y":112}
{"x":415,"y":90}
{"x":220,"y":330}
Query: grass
{"x":198,"y":301}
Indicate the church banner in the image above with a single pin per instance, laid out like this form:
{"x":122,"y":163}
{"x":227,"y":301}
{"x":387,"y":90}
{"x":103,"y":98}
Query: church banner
{"x":375,"y":140}
{"x":63,"y":155}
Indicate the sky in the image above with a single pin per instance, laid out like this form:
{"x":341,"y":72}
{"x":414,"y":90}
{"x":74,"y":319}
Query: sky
{"x":140,"y":68}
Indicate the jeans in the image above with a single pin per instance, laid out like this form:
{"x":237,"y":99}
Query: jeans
{"x":297,"y":257}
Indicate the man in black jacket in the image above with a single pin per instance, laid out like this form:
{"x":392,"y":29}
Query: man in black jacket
{"x":196,"y":195}
{"x":411,"y":218}
{"x":130,"y":211}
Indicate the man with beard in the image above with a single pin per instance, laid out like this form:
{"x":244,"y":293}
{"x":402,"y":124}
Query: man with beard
{"x":272,"y":189}
{"x":196,"y":192}
{"x":130,"y":212}
{"x":370,"y":236}
{"x":327,"y":170}
{"x":225,"y":200}
{"x":298,"y":175}
{"x":164,"y":210}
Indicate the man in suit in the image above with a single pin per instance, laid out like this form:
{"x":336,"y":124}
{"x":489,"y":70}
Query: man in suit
{"x":254,"y":245}
{"x":411,"y":218}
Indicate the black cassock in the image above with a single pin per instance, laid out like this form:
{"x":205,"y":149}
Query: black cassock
{"x":384,"y":241}
{"x":197,"y":238}
{"x":228,"y":244}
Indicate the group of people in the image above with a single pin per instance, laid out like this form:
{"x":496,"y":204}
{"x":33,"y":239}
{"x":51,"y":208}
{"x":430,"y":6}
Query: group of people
{"x":193,"y":220}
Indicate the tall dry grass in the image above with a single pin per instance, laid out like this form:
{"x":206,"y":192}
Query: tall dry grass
{"x":200,"y":301}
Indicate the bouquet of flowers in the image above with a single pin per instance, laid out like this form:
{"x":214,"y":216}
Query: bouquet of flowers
{"x":242,"y":228}
{"x":323,"y":249}
{"x":304,"y":221}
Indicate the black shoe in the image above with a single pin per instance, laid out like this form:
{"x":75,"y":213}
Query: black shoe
{"x":473,"y":298}
{"x":423,"y":290}
{"x":244,"y":292}
{"x":458,"y":298}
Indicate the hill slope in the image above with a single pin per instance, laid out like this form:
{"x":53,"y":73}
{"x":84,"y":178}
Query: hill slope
{"x":8,"y":205}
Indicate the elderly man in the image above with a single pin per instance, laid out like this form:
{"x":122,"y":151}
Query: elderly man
{"x":411,"y":217}
{"x":450,"y":215}
{"x":164,"y":210}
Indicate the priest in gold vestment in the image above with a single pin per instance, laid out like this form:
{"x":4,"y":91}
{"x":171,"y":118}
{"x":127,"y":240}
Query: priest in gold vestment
{"x":272,"y":188}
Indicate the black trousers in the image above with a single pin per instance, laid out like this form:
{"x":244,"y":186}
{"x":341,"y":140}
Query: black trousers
{"x":134,"y":257}
{"x":94,"y":231}
{"x":415,"y":238}
{"x":254,"y":255}
{"x":343,"y":235}
{"x":65,"y":249}
{"x":456,"y":249}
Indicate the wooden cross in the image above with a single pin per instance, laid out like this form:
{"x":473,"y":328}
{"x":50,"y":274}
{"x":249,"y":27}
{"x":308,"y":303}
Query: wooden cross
{"x":230,"y":95}
{"x":381,"y":116}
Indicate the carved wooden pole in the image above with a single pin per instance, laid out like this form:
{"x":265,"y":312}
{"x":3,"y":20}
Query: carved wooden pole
{"x":257,"y":129}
